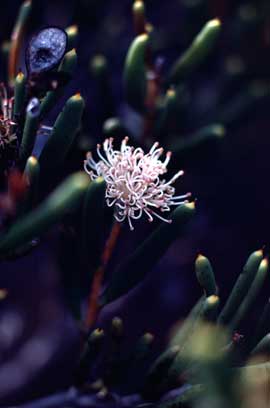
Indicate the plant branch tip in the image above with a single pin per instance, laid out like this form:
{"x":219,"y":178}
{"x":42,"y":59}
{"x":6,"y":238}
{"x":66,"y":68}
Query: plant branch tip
{"x":99,"y":180}
{"x":138,"y":6}
{"x":171,"y":93}
{"x":149,"y":338}
{"x":72,"y":30}
{"x":216,"y":22}
{"x":3,"y":294}
{"x":219,"y":130}
{"x":98,"y":331}
{"x":77,"y":96}
{"x":200,"y":257}
{"x":264,"y":263}
{"x":143,"y":37}
{"x":212,"y":299}
{"x":20,"y":75}
{"x":191,"y":205}
{"x":32,"y":160}
{"x":72,"y":52}
{"x":138,"y":3}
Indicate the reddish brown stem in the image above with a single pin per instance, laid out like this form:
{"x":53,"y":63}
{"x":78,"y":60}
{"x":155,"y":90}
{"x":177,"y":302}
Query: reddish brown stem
{"x":139,"y":25}
{"x":93,"y":305}
{"x":16,"y":45}
{"x":139,"y":18}
{"x":14,"y":56}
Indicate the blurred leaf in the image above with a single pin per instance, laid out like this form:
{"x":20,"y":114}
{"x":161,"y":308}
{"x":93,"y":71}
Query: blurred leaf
{"x":205,"y":275}
{"x":64,"y":199}
{"x":251,"y":295}
{"x":135,"y":82}
{"x":241,"y":287}
{"x":197,"y":52}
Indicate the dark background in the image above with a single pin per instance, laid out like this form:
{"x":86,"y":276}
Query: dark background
{"x":229,"y":178}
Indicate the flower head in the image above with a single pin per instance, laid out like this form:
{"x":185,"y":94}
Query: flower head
{"x":133,"y":180}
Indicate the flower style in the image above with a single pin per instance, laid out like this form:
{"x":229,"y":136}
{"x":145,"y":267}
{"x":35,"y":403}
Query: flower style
{"x":133,"y":183}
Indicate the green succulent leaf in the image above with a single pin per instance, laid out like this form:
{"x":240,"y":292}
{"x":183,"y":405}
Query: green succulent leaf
{"x":263,"y":347}
{"x":19,"y":93}
{"x":16,"y":39}
{"x":187,"y":397}
{"x":241,"y":287}
{"x":251,"y":295}
{"x":63,"y":200}
{"x":63,"y":135}
{"x":72,"y":34}
{"x":30,"y":131}
{"x":200,"y":48}
{"x":194,"y":141}
{"x":31,"y":173}
{"x":92,"y":222}
{"x":205,"y":275}
{"x":135,"y":82}
{"x":67,"y":66}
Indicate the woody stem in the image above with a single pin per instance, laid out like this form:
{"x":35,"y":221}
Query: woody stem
{"x":93,"y":305}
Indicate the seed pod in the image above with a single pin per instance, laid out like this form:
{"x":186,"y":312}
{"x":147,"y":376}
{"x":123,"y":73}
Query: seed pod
{"x":46,"y":50}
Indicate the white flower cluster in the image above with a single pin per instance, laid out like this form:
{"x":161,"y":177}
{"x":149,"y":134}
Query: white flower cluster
{"x":133,"y":183}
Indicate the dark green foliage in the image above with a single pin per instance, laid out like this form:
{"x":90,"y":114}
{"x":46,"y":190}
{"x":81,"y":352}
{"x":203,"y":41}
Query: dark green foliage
{"x":135,"y":83}
{"x":63,"y":200}
{"x":200,"y":351}
{"x":241,"y":287}
{"x":198,"y":51}
{"x":63,"y":134}
{"x":131,"y":271}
